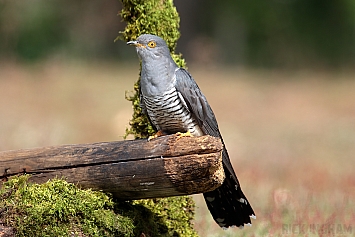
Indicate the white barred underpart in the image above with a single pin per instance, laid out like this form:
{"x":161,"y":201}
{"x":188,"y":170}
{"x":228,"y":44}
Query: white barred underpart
{"x":169,"y":114}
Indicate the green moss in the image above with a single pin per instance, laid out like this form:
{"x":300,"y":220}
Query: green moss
{"x":158,"y":17}
{"x":57,"y":208}
{"x":161,"y":217}
{"x":140,"y":125}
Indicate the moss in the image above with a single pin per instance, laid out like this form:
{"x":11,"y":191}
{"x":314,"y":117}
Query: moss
{"x":57,"y":208}
{"x":158,"y":17}
{"x":161,"y":217}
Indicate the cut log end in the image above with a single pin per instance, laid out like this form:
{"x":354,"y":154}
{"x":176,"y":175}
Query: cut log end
{"x":198,"y":171}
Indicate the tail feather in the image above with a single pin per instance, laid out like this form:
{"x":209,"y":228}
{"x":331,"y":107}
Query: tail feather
{"x":228,"y":204}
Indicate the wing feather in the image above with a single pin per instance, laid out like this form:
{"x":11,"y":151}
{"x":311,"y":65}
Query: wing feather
{"x":201,"y":111}
{"x":196,"y":102}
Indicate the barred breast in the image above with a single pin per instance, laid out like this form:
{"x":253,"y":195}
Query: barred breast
{"x":169,"y":114}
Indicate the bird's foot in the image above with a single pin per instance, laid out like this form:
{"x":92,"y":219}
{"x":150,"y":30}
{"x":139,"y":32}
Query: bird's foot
{"x":158,"y":134}
{"x":183,"y":134}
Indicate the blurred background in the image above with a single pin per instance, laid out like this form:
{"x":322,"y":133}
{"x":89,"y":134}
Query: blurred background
{"x":279,"y":75}
{"x":277,"y":33}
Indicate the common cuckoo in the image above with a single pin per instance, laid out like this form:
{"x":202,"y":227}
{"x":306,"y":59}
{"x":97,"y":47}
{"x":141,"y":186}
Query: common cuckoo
{"x":173,"y":102}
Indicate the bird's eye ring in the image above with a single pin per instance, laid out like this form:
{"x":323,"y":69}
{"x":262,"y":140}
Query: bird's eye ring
{"x":152,"y":44}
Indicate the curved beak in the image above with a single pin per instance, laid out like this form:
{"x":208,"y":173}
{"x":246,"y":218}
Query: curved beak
{"x":133,"y":42}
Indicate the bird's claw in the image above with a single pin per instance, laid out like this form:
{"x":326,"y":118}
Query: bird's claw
{"x":158,"y":134}
{"x":183,"y":134}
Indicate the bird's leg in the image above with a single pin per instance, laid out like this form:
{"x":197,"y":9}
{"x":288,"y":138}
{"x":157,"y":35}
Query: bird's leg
{"x":183,"y":134}
{"x":158,"y":134}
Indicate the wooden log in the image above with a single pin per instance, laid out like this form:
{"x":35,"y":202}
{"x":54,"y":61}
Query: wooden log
{"x":6,"y":231}
{"x":136,"y":169}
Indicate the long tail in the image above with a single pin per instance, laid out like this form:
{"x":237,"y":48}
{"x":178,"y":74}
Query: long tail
{"x":228,"y":204}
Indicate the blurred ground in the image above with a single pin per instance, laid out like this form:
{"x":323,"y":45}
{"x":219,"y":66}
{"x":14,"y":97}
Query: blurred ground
{"x":290,"y":135}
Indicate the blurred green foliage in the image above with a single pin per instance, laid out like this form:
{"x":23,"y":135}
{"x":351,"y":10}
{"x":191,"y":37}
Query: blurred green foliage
{"x":277,"y":33}
{"x":31,"y":31}
{"x":282,"y":32}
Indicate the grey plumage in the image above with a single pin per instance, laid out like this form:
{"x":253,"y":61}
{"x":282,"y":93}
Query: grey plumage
{"x":173,"y":102}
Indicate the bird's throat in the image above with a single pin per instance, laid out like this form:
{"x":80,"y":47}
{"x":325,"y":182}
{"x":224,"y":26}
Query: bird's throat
{"x":156,"y":78}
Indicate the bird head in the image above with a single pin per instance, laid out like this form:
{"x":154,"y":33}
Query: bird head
{"x":150,"y":46}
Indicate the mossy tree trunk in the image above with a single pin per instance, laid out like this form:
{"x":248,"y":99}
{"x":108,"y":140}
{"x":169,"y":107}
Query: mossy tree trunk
{"x":157,"y":17}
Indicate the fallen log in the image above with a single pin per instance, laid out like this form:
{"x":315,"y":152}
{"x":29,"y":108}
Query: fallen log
{"x":135,"y":169}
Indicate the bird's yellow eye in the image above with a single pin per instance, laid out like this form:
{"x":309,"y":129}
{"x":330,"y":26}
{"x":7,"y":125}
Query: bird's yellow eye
{"x":152,"y":44}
